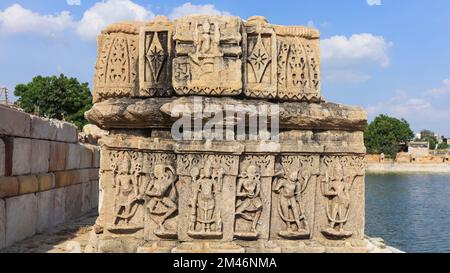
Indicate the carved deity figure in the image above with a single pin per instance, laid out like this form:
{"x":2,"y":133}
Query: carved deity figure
{"x":206,"y":185}
{"x":207,"y":39}
{"x":249,"y":204}
{"x":127,"y":194}
{"x":163,"y":197}
{"x":290,"y":207}
{"x":337,"y":190}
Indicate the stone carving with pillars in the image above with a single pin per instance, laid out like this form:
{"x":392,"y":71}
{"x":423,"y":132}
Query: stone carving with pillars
{"x":205,"y":220}
{"x":336,"y":185}
{"x":116,"y":71}
{"x":208,"y":56}
{"x":261,"y":59}
{"x":294,"y":206}
{"x":126,"y":167}
{"x":208,"y":191}
{"x":155,"y":53}
{"x":252,"y":215}
{"x":298,"y":63}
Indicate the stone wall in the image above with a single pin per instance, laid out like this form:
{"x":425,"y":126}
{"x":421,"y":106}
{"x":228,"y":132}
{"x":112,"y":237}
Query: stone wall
{"x":409,"y":158}
{"x":46,"y":176}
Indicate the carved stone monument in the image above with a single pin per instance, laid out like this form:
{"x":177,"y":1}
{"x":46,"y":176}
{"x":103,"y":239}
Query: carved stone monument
{"x":184,"y":169}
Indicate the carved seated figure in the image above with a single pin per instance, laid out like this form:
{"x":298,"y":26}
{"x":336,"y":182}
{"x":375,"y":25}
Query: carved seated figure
{"x":337,"y":190}
{"x":163,"y":198}
{"x":290,"y":207}
{"x":206,"y":185}
{"x":249,"y":204}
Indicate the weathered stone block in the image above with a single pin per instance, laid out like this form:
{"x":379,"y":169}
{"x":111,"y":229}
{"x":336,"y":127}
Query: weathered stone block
{"x":14,"y":122}
{"x":40,"y":154}
{"x":9,"y":186}
{"x":95,"y":194}
{"x":58,"y":214}
{"x":46,"y":181}
{"x":83,"y":176}
{"x":93,"y":174}
{"x":45,"y":201}
{"x":28,"y":184}
{"x":156,"y":53}
{"x":58,"y":151}
{"x":86,"y":156}
{"x":42,"y":128}
{"x":120,"y":40}
{"x":2,"y":158}
{"x":73,"y":156}
{"x":73,"y":202}
{"x":21,"y":156}
{"x":21,"y":218}
{"x":207,"y":56}
{"x":86,"y":202}
{"x":66,"y":178}
{"x":96,"y":157}
{"x":2,"y":223}
{"x":65,"y":132}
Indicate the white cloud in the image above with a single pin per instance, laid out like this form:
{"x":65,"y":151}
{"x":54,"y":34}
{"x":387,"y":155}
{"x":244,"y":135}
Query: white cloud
{"x":188,"y":9}
{"x":440,"y":91}
{"x":420,"y":112}
{"x":344,"y":76}
{"x":374,"y":2}
{"x":364,"y":48}
{"x":73,"y":2}
{"x":104,"y":13}
{"x":17,"y":19}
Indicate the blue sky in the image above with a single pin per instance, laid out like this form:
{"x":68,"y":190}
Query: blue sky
{"x":389,"y":56}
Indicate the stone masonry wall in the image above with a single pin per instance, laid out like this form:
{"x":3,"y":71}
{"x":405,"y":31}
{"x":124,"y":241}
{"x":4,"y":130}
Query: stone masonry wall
{"x":46,"y":176}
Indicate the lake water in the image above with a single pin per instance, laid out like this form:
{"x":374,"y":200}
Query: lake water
{"x":410,"y":211}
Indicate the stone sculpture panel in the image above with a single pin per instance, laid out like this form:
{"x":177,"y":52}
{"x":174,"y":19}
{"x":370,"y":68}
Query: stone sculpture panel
{"x":341,"y":211}
{"x":261,"y":59}
{"x":207,"y":196}
{"x":155,"y":58}
{"x":293,"y":197}
{"x":208,"y":56}
{"x":116,"y":71}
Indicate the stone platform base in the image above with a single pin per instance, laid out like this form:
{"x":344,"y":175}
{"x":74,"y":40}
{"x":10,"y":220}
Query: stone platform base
{"x":131,"y":245}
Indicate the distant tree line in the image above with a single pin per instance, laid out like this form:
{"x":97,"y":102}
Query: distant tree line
{"x":386,"y":135}
{"x":55,"y":97}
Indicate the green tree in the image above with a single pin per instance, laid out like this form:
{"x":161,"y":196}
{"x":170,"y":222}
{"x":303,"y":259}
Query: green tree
{"x":385,"y":134}
{"x":427,"y":135}
{"x":443,"y":145}
{"x":55,"y":97}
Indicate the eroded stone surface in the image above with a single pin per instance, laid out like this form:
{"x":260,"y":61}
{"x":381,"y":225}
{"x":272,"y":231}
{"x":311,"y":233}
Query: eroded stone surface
{"x":21,"y":218}
{"x":161,"y":113}
{"x":300,"y":191}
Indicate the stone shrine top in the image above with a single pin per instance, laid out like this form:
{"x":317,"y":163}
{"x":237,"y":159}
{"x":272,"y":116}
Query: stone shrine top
{"x":208,"y":55}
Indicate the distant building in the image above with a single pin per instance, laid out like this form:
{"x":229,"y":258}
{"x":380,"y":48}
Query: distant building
{"x":418,"y":136}
{"x":419,"y":148}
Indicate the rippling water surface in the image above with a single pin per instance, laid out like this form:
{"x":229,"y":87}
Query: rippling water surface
{"x":410,"y":211}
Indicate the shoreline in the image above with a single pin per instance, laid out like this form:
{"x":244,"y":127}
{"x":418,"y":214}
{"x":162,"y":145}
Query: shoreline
{"x":443,"y":168}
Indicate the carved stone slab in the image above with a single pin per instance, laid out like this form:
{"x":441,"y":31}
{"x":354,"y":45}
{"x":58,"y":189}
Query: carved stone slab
{"x":253,"y":197}
{"x":339,"y":211}
{"x":261,"y":59}
{"x":122,"y":185}
{"x":207,"y":196}
{"x":116,"y":71}
{"x":293,"y":197}
{"x":208,"y":56}
{"x":155,"y":58}
{"x":298,"y":63}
